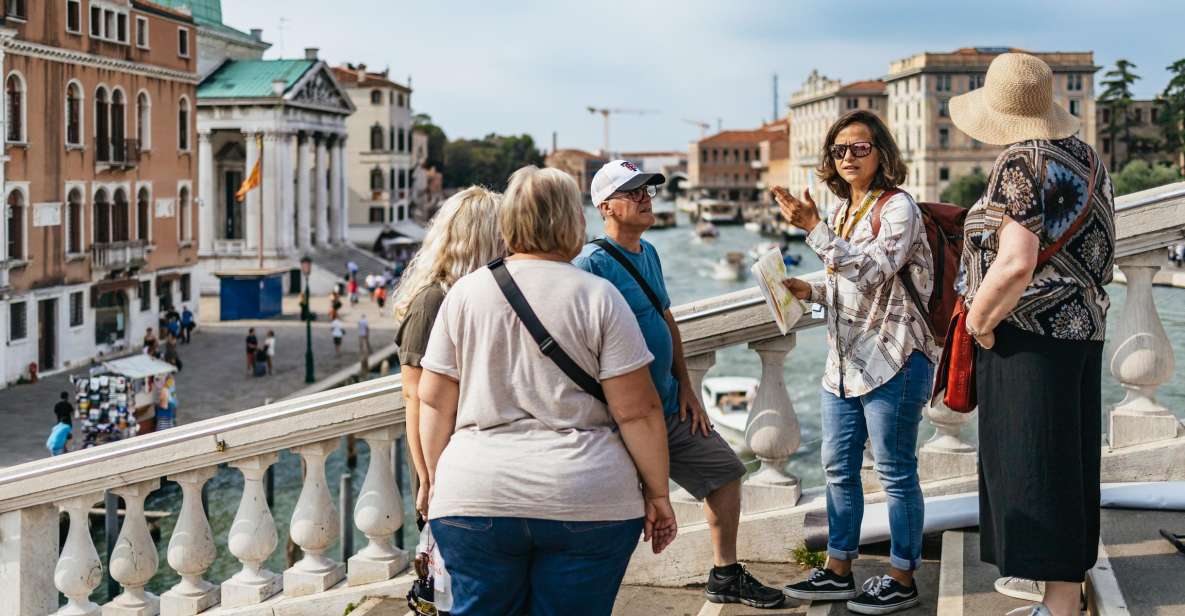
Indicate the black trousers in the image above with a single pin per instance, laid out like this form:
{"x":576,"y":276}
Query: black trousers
{"x":1040,"y":431}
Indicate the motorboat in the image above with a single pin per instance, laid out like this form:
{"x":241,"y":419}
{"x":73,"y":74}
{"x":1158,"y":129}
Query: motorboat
{"x":664,"y":217}
{"x":720,"y":212}
{"x":727,"y":400}
{"x":705,"y":229}
{"x":731,"y":267}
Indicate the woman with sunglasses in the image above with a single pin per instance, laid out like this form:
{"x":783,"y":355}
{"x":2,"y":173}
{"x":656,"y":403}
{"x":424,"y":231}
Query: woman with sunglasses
{"x":880,"y":363}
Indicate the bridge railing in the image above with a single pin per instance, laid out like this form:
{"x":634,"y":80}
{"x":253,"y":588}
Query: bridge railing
{"x":33,"y":570}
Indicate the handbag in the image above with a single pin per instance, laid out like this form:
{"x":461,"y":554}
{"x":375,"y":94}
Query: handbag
{"x":954,"y":377}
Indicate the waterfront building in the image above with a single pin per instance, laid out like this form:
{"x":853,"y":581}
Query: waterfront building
{"x":297,"y":111}
{"x":579,"y":164}
{"x":671,"y":163}
{"x":919,"y":91}
{"x":733,"y":165}
{"x":380,"y":175}
{"x":427,"y":183}
{"x":98,"y":175}
{"x":813,"y":109}
{"x":1146,"y":132}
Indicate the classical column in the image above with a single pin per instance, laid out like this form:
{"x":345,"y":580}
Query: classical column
{"x":207,"y":200}
{"x":252,"y":538}
{"x":253,"y":201}
{"x":343,"y":190}
{"x":337,"y":198}
{"x":314,"y":526}
{"x":79,"y":570}
{"x":322,"y":192}
{"x":378,"y":514}
{"x":270,"y":192}
{"x":772,"y":432}
{"x":1141,"y":359}
{"x":191,"y":549}
{"x":134,"y":560}
{"x":287,"y":222}
{"x":304,"y":179}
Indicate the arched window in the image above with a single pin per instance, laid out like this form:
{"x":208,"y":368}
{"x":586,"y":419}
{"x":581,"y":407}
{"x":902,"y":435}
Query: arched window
{"x":120,"y":223}
{"x":102,"y":126}
{"x":74,"y":222}
{"x":14,"y":90}
{"x":376,"y":97}
{"x":402,"y":140}
{"x":73,"y":114}
{"x":392,"y":178}
{"x":376,"y":179}
{"x":183,"y":124}
{"x":102,"y":219}
{"x":376,"y":138}
{"x":143,"y":121}
{"x":16,"y":225}
{"x":143,"y":214}
{"x":118,"y":152}
{"x":183,"y":226}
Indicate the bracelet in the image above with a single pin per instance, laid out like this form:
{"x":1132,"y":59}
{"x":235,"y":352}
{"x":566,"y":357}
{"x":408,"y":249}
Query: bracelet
{"x":971,"y":330}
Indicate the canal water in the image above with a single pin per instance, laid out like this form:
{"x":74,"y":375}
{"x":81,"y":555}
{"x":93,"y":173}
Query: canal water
{"x":687,"y":264}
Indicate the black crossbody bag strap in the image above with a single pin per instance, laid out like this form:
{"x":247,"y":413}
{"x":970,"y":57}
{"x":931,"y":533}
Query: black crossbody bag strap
{"x":547,"y":345}
{"x":633,"y":271}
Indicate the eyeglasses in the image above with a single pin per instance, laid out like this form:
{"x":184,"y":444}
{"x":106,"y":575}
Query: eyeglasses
{"x":637,"y":195}
{"x":860,"y":149}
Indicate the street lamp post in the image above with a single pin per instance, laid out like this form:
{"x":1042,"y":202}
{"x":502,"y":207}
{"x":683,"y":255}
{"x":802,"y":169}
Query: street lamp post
{"x":306,"y":313}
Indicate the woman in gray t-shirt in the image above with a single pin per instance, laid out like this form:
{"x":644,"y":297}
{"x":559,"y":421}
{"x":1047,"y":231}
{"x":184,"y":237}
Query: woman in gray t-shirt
{"x":536,"y":498}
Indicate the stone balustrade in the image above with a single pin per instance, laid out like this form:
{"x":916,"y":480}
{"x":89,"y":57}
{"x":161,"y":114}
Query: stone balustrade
{"x":31,"y":495}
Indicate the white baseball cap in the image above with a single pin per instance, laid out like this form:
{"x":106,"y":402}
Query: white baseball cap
{"x":621,"y":176}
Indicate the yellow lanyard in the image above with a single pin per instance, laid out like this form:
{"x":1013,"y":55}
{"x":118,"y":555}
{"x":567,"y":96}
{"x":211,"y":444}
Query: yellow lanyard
{"x":845,"y":224}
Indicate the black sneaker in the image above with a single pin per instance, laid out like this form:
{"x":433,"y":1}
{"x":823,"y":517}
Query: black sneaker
{"x":884,"y":595}
{"x":741,"y":587}
{"x":823,"y":585}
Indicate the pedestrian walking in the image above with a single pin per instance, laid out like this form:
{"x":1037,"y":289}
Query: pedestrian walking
{"x":335,"y":304}
{"x":188,"y":323}
{"x":63,"y":410}
{"x":339,"y":332}
{"x":352,"y":289}
{"x":881,"y":356}
{"x":363,"y":336}
{"x":252,"y":347}
{"x":1039,"y":252}
{"x":170,"y":354}
{"x":59,"y":436}
{"x":351,"y":269}
{"x":150,"y":342}
{"x":269,"y":345}
{"x":380,"y":296}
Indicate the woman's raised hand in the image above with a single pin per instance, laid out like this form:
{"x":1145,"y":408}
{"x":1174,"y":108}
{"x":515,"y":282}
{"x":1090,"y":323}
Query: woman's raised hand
{"x":802,"y":213}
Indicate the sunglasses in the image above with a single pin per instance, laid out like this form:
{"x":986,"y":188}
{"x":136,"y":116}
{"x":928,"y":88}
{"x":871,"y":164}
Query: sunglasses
{"x":637,"y":195}
{"x":860,"y":149}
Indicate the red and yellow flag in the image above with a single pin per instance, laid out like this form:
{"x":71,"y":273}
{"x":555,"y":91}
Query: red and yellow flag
{"x":254,"y":178}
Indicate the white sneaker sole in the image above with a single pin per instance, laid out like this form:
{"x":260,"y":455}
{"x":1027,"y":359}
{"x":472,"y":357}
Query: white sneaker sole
{"x":821,"y":595}
{"x":860,"y":608}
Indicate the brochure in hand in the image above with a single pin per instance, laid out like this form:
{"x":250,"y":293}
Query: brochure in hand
{"x":770,"y":271}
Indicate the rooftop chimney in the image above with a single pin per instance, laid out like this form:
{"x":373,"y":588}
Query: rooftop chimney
{"x":278,"y":87}
{"x":361,"y":70}
{"x":257,"y":34}
{"x":310,"y":53}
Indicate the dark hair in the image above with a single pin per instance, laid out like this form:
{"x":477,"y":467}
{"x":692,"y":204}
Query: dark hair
{"x":65,"y":395}
{"x":890,"y":174}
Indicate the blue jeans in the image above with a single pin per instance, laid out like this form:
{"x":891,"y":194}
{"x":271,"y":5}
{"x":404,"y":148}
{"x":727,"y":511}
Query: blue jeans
{"x":888,"y":416}
{"x":537,"y":567}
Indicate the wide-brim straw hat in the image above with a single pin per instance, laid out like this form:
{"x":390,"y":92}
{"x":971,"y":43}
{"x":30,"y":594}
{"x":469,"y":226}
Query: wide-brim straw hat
{"x":1015,"y":104}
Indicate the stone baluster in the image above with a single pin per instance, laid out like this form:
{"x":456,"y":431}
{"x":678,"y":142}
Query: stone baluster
{"x":252,"y":538}
{"x":698,"y":367}
{"x":314,"y":526}
{"x":1141,"y":358}
{"x":79,"y":570}
{"x":191,"y":549}
{"x":946,"y":454}
{"x":134,"y":559}
{"x":772,"y":432}
{"x":378,"y":514}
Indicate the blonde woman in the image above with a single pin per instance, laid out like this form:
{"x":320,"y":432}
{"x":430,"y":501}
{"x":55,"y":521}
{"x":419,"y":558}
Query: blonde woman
{"x":462,"y":237}
{"x":536,"y":503}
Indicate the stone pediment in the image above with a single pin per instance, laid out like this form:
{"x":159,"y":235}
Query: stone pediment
{"x":320,"y":89}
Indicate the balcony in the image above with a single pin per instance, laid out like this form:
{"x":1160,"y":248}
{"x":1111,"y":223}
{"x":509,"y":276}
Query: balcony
{"x":117,"y":153}
{"x":119,"y":255}
{"x":1145,"y":443}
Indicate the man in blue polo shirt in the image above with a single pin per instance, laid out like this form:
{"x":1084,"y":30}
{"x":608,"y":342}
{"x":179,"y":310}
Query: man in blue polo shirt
{"x":701,"y":461}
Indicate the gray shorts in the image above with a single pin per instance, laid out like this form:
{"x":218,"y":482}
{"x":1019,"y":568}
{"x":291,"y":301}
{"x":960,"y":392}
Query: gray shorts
{"x":700,"y":464}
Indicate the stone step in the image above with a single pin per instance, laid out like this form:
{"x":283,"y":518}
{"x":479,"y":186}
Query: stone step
{"x":966,"y":584}
{"x":1138,"y":572}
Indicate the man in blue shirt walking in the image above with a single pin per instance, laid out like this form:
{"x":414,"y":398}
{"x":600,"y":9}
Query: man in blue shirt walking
{"x":701,"y":461}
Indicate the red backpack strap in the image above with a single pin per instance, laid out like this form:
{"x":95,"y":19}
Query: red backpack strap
{"x":876,"y":209}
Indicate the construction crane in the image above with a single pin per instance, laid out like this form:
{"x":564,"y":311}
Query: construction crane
{"x":606,"y":112}
{"x":703,"y":126}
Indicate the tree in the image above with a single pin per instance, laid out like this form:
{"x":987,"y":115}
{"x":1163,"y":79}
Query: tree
{"x":1117,"y":98}
{"x":965,"y":190}
{"x":1172,"y":112}
{"x":1139,"y":175}
{"x":436,"y":140}
{"x":488,"y":161}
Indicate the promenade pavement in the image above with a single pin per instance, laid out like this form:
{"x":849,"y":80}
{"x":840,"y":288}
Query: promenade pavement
{"x":214,"y":378}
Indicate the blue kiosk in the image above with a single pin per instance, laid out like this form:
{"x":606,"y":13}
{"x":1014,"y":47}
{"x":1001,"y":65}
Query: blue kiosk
{"x":251,"y":293}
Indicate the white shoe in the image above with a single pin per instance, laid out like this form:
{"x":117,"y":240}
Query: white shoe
{"x":1031,"y":610}
{"x":1021,"y":588}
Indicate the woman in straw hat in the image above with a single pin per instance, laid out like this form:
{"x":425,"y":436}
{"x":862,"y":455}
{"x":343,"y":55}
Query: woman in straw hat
{"x":1039,"y":250}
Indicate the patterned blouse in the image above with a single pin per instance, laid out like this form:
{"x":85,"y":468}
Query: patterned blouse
{"x":872,"y":324}
{"x":1042,"y":185}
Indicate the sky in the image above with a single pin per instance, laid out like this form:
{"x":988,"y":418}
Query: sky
{"x":535,"y":66}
